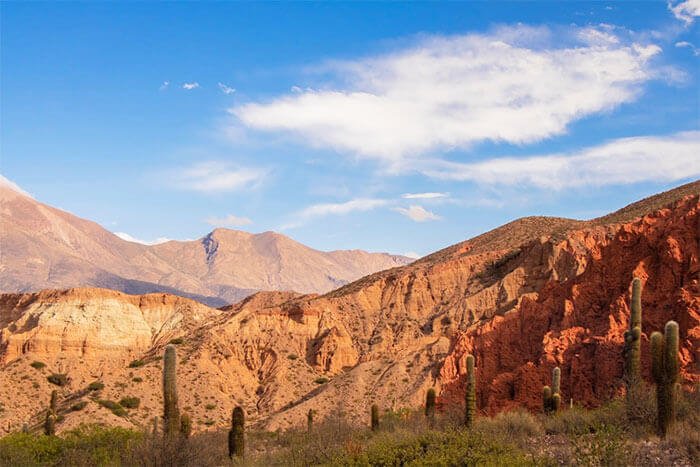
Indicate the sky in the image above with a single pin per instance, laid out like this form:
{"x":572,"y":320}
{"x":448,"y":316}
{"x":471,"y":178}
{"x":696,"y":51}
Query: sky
{"x":399,"y":127}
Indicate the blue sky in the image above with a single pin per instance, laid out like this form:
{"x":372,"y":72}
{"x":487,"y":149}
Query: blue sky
{"x":401,"y":127}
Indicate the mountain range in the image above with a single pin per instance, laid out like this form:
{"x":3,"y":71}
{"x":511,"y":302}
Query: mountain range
{"x":535,"y":293}
{"x":44,"y":247}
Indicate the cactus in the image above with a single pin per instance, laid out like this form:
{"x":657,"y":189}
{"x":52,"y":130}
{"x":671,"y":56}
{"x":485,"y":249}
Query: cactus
{"x":50,"y":422}
{"x":633,"y":338}
{"x":236,"y":436}
{"x":470,"y":395}
{"x":171,"y":413}
{"x":430,"y":406}
{"x":375,"y":417}
{"x":310,"y":420}
{"x":551,"y":396}
{"x":185,"y":426}
{"x":664,"y":369}
{"x":155,"y":426}
{"x":546,"y":399}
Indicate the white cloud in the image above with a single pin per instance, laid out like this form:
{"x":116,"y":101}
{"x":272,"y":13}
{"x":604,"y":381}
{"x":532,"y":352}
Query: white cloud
{"x":190,"y":86}
{"x":690,"y":46}
{"x":685,"y":11}
{"x":129,"y":238}
{"x":230,"y":220}
{"x":424,"y":195}
{"x":326,"y":209}
{"x":411,"y":254}
{"x":621,"y":161}
{"x":225,"y":89}
{"x":511,"y":85}
{"x":418,"y":213}
{"x":164,"y":86}
{"x":12,"y":186}
{"x":216,"y":176}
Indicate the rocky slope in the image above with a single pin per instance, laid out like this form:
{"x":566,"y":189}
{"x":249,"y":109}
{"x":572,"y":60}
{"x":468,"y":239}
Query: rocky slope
{"x":43,"y":247}
{"x":532,"y":294}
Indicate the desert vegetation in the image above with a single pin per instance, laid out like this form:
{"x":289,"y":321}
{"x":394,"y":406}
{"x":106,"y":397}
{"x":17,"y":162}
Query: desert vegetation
{"x":649,"y":425}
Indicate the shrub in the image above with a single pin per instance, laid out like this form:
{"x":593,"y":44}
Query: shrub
{"x":517,"y":426}
{"x":130,"y":402}
{"x":292,"y":356}
{"x":210,"y":406}
{"x":177,"y":341}
{"x":38,"y":365}
{"x":321,"y":380}
{"x":78,"y":406}
{"x":96,"y":386}
{"x":115,"y":408}
{"x":59,"y":379}
{"x":137,"y":379}
{"x":136,"y":363}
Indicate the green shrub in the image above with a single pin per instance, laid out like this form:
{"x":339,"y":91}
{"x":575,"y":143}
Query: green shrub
{"x":78,"y":406}
{"x":59,"y":379}
{"x":137,"y":379}
{"x":115,"y":408}
{"x":38,"y":365}
{"x":177,"y":341}
{"x":137,"y":363}
{"x":130,"y":402}
{"x":96,"y":386}
{"x":321,"y":380}
{"x":292,"y":356}
{"x":210,"y":406}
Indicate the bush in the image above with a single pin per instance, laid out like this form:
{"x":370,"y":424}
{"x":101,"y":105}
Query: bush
{"x":137,"y":379}
{"x":210,"y":406}
{"x":517,"y":426}
{"x":96,"y":386}
{"x":38,"y":365}
{"x":321,"y":380}
{"x":59,"y":379}
{"x":177,"y":341}
{"x":130,"y":402}
{"x":292,"y":356}
{"x":78,"y":406}
{"x":136,"y":363}
{"x":115,"y":408}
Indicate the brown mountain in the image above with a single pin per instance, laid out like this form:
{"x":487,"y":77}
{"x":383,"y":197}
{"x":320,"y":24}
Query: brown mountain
{"x":44,"y":247}
{"x":534,"y":293}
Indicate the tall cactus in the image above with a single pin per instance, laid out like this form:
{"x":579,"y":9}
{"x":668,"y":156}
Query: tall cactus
{"x":633,"y":338}
{"x":665,"y":368}
{"x":375,"y":417}
{"x":185,"y":426}
{"x":470,"y":395}
{"x":171,"y":412}
{"x":310,"y":420}
{"x":50,"y":421}
{"x":236,"y":436}
{"x":551,"y":396}
{"x":430,"y":406}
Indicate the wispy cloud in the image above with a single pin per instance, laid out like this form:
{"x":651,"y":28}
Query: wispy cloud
{"x":621,"y":161}
{"x":190,"y":86}
{"x":418,"y":213}
{"x":685,"y":11}
{"x":429,"y":195}
{"x":164,"y":86}
{"x":514,"y":84}
{"x":686,"y":44}
{"x":226,"y":89}
{"x":215,"y":176}
{"x":411,"y":254}
{"x":129,"y":238}
{"x":230,"y":220}
{"x":326,"y":209}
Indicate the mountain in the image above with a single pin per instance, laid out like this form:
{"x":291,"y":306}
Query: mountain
{"x":43,"y":247}
{"x":530,"y":295}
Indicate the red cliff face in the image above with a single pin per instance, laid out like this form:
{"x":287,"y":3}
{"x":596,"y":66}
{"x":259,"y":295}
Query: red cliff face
{"x":578,"y":323}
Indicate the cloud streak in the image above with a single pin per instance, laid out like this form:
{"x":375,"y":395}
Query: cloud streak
{"x":230,"y":220}
{"x":685,"y":11}
{"x":129,"y":238}
{"x":430,"y":195}
{"x":327,"y":209}
{"x":511,"y":85}
{"x":214,"y":176}
{"x":418,"y":214}
{"x":190,"y":86}
{"x":622,"y":161}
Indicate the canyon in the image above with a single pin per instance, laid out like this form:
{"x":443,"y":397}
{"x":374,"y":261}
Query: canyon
{"x":533,"y":294}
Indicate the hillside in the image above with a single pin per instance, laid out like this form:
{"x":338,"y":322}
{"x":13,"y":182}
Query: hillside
{"x":532,"y":294}
{"x":42,"y":247}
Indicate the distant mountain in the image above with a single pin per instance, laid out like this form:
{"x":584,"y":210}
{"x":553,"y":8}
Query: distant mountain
{"x":44,"y":247}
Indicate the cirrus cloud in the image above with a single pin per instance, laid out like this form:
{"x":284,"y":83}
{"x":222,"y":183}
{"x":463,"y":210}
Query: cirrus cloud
{"x":418,"y":213}
{"x":230,"y":220}
{"x":215,"y":176}
{"x":511,"y":85}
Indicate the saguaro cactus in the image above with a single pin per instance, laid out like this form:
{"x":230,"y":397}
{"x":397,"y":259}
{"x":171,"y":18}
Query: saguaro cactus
{"x":171,"y":412}
{"x":185,"y":426}
{"x":551,"y":396}
{"x":236,"y":436}
{"x":470,"y":394}
{"x":430,"y":406}
{"x":50,"y":421}
{"x":664,"y":369}
{"x":633,"y":337}
{"x":310,"y":420}
{"x":375,"y":417}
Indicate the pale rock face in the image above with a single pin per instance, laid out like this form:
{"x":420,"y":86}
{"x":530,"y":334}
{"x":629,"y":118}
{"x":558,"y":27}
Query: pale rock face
{"x":532,"y":294}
